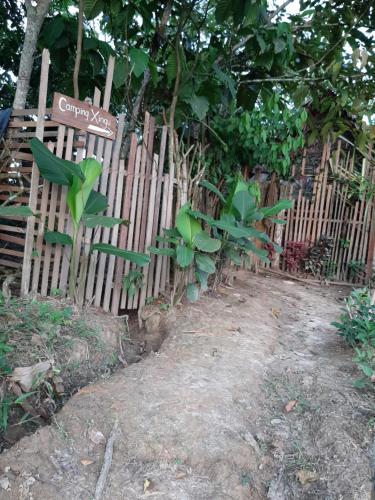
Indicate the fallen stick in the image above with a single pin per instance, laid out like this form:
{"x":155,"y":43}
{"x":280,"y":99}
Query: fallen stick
{"x":106,"y":463}
{"x":306,"y":280}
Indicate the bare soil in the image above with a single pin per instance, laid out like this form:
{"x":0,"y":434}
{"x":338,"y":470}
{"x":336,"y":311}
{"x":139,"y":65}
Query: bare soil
{"x":250,"y":396}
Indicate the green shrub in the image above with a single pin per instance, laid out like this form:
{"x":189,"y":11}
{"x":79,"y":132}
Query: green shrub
{"x":357,"y":328}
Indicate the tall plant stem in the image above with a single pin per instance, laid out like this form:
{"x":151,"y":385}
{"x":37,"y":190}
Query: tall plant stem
{"x":73,"y":267}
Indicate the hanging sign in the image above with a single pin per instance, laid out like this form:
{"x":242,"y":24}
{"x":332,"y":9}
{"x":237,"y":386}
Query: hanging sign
{"x":84,"y":116}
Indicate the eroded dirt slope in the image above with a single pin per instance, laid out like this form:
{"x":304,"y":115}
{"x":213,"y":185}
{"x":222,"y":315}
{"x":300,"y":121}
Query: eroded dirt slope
{"x":204,"y":418}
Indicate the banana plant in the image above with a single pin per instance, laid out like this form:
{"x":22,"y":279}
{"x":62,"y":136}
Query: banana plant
{"x":85,"y":206}
{"x":189,"y":245}
{"x":234,"y":232}
{"x":236,"y":224}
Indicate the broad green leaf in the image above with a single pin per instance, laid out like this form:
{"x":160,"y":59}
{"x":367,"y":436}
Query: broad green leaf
{"x":205,"y":243}
{"x":234,"y":256}
{"x":139,"y":61}
{"x":169,"y":240}
{"x":120,"y":73}
{"x":185,"y":256}
{"x":96,"y":203}
{"x":192,"y":292}
{"x":170,"y":252}
{"x":79,"y":193}
{"x":237,"y":186}
{"x":92,"y":8}
{"x":52,"y":30}
{"x":213,"y":189}
{"x":279,"y":221}
{"x":244,"y":203}
{"x":54,"y":169}
{"x":202,"y":278}
{"x":259,"y":252}
{"x":235,"y":231}
{"x":275,"y":209}
{"x":57,"y":237}
{"x":199,"y":105}
{"x":225,"y":79}
{"x":187,"y":226}
{"x":205,"y":263}
{"x":199,"y":215}
{"x":140,"y":259}
{"x":101,"y":220}
{"x":172,"y":232}
{"x":12,"y":211}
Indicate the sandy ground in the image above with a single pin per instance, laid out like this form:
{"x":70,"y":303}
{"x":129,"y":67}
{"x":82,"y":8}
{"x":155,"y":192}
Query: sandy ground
{"x":205,"y":418}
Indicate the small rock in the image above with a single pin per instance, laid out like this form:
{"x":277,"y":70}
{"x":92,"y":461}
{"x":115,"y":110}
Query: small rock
{"x":277,"y":421}
{"x":4,"y":483}
{"x":86,"y":461}
{"x":306,"y":476}
{"x":96,"y":436}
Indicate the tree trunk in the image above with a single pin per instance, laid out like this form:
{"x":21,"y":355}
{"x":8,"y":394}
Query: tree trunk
{"x":34,"y":22}
{"x":77,"y":63}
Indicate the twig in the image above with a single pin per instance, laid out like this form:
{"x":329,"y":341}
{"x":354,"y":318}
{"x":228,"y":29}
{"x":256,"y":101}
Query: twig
{"x":106,"y":463}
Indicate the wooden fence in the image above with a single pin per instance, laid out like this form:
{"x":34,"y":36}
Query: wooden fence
{"x":138,"y":190}
{"x":331,"y":208}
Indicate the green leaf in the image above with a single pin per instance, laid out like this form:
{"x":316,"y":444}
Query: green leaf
{"x":202,"y":278}
{"x":22,"y":397}
{"x":92,"y":8}
{"x":120,"y":73}
{"x":170,"y":252}
{"x":205,"y":243}
{"x":205,"y":263}
{"x":101,"y":220}
{"x":213,"y":189}
{"x":279,"y":45}
{"x":54,"y":169}
{"x":279,"y":221}
{"x":96,"y":203}
{"x":235,"y":231}
{"x":199,"y":215}
{"x":140,"y":259}
{"x":262,"y":44}
{"x":275,"y":209}
{"x":244,"y":203}
{"x":187,"y":226}
{"x":79,"y":193}
{"x":139,"y":61}
{"x":199,"y":105}
{"x":53,"y":237}
{"x":12,"y":211}
{"x":185,"y":256}
{"x":192,"y":292}
{"x":223,"y":10}
{"x":168,"y":239}
{"x":171,"y":69}
{"x":52,"y":30}
{"x":234,"y":256}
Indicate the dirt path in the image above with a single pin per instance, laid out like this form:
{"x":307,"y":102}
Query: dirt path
{"x":204,"y":418}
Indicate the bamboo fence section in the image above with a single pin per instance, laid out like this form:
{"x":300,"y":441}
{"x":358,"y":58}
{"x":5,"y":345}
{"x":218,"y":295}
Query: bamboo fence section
{"x":138,"y":189}
{"x":332,"y":211}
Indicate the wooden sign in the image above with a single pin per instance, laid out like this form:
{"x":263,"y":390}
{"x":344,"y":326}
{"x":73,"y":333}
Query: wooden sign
{"x":84,"y":116}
